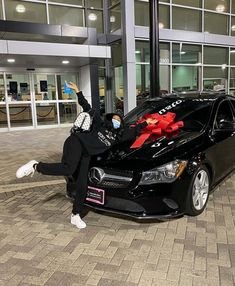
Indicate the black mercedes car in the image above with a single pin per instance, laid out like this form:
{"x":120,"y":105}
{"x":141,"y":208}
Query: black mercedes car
{"x":173,"y":174}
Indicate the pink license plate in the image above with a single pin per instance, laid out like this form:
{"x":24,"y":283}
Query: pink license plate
{"x":95,"y":195}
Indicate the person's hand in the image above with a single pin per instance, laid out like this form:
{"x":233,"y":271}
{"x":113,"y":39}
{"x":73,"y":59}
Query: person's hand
{"x":73,"y":86}
{"x":151,"y":121}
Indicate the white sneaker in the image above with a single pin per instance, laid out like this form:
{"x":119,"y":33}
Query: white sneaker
{"x":76,"y":220}
{"x":26,"y":169}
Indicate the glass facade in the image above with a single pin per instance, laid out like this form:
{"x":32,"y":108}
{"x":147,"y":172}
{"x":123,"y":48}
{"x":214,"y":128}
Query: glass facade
{"x":36,"y":99}
{"x":25,"y":11}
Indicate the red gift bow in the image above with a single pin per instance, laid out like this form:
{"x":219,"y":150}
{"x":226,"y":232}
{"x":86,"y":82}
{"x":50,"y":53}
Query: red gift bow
{"x":165,"y":125}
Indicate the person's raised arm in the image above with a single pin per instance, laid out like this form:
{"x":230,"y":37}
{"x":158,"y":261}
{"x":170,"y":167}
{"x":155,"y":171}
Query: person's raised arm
{"x":81,"y":99}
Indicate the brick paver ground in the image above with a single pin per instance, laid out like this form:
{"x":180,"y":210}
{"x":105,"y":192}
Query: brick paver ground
{"x":38,"y":245}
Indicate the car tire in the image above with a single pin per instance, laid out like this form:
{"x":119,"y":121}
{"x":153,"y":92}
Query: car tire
{"x":198,"y":192}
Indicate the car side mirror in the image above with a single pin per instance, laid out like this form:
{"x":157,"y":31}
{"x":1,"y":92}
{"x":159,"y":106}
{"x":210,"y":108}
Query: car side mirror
{"x":225,"y":125}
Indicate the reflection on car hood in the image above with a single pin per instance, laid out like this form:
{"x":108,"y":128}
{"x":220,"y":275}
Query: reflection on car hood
{"x":162,"y":149}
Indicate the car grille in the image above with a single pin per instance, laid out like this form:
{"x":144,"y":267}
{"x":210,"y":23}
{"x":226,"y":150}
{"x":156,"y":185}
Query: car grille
{"x":109,"y":178}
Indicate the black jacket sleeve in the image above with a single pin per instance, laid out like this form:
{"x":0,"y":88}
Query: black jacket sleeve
{"x":83,"y":102}
{"x":130,"y":133}
{"x":87,"y":107}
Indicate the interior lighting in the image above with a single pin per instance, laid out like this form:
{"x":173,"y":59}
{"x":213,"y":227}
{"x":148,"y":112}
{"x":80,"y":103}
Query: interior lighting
{"x":92,"y":17}
{"x":223,"y":66}
{"x":161,"y":25}
{"x":65,"y":62}
{"x":182,"y":52}
{"x":233,"y":28}
{"x":112,"y":19}
{"x":20,"y":8}
{"x":11,"y":60}
{"x":220,"y":8}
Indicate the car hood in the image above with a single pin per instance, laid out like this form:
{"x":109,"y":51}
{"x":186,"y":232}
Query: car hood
{"x":163,"y":149}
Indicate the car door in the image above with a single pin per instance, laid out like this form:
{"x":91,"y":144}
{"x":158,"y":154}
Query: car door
{"x":224,"y":140}
{"x":232,"y":101}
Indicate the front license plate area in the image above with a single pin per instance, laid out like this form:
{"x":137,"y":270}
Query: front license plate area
{"x":95,"y":195}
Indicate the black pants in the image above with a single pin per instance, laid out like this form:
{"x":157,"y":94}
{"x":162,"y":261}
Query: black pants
{"x":75,"y":162}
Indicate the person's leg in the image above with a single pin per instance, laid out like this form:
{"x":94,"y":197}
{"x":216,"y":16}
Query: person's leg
{"x":81,"y":192}
{"x":71,"y":155}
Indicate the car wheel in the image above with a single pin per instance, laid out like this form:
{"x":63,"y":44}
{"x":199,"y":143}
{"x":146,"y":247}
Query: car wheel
{"x":199,"y":192}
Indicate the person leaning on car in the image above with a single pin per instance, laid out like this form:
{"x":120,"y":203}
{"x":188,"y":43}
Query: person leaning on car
{"x":79,"y":147}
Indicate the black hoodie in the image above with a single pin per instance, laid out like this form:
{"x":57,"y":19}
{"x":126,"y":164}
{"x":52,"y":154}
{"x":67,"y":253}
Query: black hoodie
{"x":102,"y":135}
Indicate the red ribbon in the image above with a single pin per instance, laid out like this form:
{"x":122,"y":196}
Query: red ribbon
{"x":164,"y":126}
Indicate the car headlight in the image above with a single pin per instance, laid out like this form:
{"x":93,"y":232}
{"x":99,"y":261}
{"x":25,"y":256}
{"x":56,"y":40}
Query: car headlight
{"x":166,"y":173}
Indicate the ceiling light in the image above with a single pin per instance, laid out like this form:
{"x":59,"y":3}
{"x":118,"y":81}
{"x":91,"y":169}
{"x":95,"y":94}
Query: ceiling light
{"x":92,"y":17}
{"x":137,"y":52}
{"x":161,"y":25}
{"x":11,"y":60}
{"x":232,"y":52}
{"x":20,"y":8}
{"x":112,"y":19}
{"x":182,"y":52}
{"x":233,"y":28}
{"x":65,"y":62}
{"x":223,"y":66}
{"x":220,"y":8}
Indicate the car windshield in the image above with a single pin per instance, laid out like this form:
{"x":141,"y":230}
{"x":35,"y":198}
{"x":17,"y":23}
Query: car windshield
{"x":194,"y":112}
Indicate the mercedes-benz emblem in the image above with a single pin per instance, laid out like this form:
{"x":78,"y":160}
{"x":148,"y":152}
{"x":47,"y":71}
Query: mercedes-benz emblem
{"x":96,"y":175}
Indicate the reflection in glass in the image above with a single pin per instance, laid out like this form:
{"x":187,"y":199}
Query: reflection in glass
{"x":44,"y":87}
{"x":232,"y":57}
{"x":215,"y":78}
{"x":141,"y":13}
{"x":95,"y":20}
{"x":1,"y":16}
{"x":18,"y":88}
{"x":185,"y":78}
{"x":2,"y":88}
{"x":183,"y":53}
{"x":3,"y":116}
{"x":221,"y":6}
{"x":164,"y":17}
{"x":73,"y":2}
{"x":232,"y":82}
{"x":116,"y":52}
{"x":232,"y":26}
{"x":186,"y":19}
{"x":215,"y":55}
{"x":20,"y":114}
{"x":117,"y":89}
{"x":46,"y":113}
{"x":68,"y":112}
{"x":60,"y":15}
{"x":94,"y":3}
{"x":25,"y":11}
{"x":233,"y":7}
{"x":232,"y":77}
{"x":164,"y":79}
{"x":115,"y":18}
{"x":142,"y":53}
{"x":193,"y":3}
{"x":221,"y":21}
{"x":60,"y":83}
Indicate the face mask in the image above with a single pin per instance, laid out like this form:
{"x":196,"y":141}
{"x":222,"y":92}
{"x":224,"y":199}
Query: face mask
{"x":116,"y":123}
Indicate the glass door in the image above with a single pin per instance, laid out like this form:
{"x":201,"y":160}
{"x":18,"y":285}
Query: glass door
{"x":19,"y":99}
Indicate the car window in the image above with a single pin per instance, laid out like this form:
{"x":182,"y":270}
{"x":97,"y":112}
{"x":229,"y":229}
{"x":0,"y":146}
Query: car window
{"x":224,"y":113}
{"x":195,"y":113}
{"x":233,"y":104}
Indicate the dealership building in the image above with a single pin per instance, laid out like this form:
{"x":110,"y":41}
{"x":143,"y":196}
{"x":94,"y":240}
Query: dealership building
{"x":103,"y":46}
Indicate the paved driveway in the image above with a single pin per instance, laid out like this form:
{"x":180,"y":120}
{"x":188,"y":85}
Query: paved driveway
{"x":38,"y":246}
